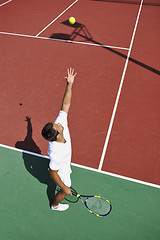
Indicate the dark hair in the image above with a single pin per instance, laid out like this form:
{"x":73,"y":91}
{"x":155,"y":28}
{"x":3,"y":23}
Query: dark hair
{"x":49,"y":133}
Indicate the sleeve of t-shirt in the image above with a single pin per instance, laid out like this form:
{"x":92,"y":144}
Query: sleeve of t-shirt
{"x":62,"y":118}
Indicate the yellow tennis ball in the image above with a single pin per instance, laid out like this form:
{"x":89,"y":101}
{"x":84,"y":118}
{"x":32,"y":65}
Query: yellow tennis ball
{"x":72,"y":20}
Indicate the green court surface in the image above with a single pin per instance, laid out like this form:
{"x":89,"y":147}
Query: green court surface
{"x":25,"y":190}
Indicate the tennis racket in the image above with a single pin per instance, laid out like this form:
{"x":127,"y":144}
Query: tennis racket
{"x":97,"y":205}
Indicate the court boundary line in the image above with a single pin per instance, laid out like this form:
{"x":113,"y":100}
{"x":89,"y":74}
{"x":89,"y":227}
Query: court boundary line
{"x":56,"y":18}
{"x":5,"y":3}
{"x":62,"y":40}
{"x":87,"y":168}
{"x":119,"y":92}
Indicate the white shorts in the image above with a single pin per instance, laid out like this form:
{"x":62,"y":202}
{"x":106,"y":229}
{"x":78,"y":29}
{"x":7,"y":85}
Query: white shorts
{"x":66,"y":179}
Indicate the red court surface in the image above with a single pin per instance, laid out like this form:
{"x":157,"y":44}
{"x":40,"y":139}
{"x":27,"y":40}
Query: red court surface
{"x":42,"y":74}
{"x":135,"y":135}
{"x":29,"y":17}
{"x":100,"y":23}
{"x":32,"y":72}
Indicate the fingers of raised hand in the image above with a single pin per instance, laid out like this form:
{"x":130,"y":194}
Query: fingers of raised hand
{"x":70,"y":71}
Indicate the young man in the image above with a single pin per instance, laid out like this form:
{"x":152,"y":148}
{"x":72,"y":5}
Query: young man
{"x":59,"y":149}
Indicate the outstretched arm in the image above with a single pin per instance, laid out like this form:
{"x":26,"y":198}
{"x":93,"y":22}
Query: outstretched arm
{"x":68,"y":92}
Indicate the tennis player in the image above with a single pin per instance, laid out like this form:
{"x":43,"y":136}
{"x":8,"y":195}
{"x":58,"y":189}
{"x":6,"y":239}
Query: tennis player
{"x":59,"y":149}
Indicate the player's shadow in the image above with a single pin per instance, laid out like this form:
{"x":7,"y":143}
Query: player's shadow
{"x":80,"y":30}
{"x":38,"y":168}
{"x":36,"y":165}
{"x":28,"y":143}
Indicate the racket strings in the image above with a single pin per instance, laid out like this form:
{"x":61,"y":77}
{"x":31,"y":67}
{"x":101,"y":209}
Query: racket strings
{"x":98,"y":205}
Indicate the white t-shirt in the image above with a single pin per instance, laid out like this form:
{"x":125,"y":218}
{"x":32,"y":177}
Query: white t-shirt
{"x":60,"y":153}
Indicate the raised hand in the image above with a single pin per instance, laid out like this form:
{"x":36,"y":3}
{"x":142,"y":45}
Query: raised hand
{"x":70,"y":75}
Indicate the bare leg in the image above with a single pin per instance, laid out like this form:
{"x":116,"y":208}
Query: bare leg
{"x":58,"y":198}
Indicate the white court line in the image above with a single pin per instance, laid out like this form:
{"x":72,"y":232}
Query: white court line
{"x":61,"y":40}
{"x":56,"y":18}
{"x":5,"y":3}
{"x":119,"y":92}
{"x":86,"y":168}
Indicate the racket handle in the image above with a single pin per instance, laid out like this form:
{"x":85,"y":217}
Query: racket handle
{"x":73,"y":193}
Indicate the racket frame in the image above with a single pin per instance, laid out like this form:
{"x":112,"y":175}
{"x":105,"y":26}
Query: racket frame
{"x":79,"y":196}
